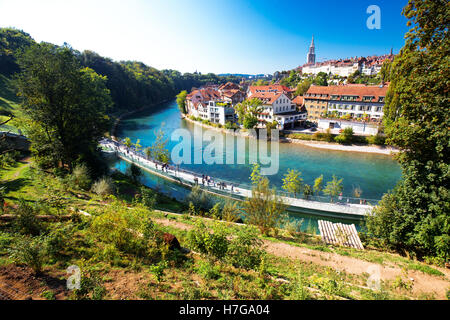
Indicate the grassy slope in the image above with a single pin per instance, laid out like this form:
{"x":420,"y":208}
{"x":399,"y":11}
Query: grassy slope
{"x":190,"y":280}
{"x":8,"y":102}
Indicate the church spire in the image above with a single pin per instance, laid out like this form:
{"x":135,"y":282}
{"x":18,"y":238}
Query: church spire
{"x":311,"y":58}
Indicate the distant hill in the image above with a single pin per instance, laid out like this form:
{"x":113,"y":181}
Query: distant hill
{"x":242,"y":75}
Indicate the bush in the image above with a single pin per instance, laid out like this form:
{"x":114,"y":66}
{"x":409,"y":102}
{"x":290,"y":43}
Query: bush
{"x":57,"y":241}
{"x":158,"y":270}
{"x":29,"y":251}
{"x":103,"y":187}
{"x":231,"y":211}
{"x":199,"y":198}
{"x":91,"y":287}
{"x":80,"y":177}
{"x":26,"y":221}
{"x":291,"y":225}
{"x":208,"y":270}
{"x":377,"y":139}
{"x":148,"y":198}
{"x":244,"y":251}
{"x":213,"y":244}
{"x":345,"y":137}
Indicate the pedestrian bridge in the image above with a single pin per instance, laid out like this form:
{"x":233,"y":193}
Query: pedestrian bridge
{"x":346,"y":207}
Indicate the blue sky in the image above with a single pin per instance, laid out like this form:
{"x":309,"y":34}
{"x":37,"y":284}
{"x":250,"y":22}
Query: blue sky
{"x":211,"y":36}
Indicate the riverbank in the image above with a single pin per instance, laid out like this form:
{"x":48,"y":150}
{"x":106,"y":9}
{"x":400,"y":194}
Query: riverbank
{"x":385,"y":150}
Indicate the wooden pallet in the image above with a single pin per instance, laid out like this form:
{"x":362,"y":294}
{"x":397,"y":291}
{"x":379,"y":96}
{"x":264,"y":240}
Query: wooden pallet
{"x":340,"y":234}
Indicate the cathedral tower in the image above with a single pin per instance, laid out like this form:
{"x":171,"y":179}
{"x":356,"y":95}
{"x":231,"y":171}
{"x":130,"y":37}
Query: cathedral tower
{"x":311,"y":58}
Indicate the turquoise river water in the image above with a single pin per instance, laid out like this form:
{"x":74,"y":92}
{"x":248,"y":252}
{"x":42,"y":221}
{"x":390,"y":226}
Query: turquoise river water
{"x":375,"y":174}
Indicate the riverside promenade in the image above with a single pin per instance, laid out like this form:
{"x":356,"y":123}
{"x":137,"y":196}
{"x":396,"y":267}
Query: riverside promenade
{"x":238,"y":191}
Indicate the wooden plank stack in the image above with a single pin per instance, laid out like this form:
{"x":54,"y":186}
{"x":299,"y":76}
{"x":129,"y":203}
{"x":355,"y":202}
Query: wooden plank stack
{"x":340,"y":234}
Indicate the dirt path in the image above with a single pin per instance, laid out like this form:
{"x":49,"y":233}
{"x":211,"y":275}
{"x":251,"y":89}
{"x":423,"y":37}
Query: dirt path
{"x":423,"y":283}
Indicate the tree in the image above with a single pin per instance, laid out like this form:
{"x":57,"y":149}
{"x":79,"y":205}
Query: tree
{"x":292,"y":182}
{"x":137,"y":145}
{"x":159,"y":150}
{"x":307,"y":191}
{"x":65,"y":105}
{"x":415,"y":215}
{"x":318,"y":185}
{"x":303,"y":87}
{"x":333,"y":187}
{"x":264,"y":208}
{"x":181,"y":101}
{"x":248,"y":111}
{"x":127,"y":142}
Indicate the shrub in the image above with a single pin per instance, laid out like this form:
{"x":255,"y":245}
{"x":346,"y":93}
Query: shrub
{"x":148,"y":198}
{"x":231,"y":211}
{"x":377,"y":139}
{"x":199,"y":198}
{"x":80,"y":177}
{"x":244,"y":251}
{"x":158,"y":270}
{"x":215,"y":212}
{"x":103,"y":187}
{"x":291,"y":225}
{"x":58,"y":240}
{"x":26,"y":221}
{"x":208,"y":270}
{"x":213,"y":244}
{"x":29,"y":251}
{"x":345,"y":137}
{"x":91,"y":287}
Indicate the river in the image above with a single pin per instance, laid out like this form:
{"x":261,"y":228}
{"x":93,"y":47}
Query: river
{"x":375,"y":174}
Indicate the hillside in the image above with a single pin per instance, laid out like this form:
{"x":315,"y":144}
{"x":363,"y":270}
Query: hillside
{"x":101,"y":235}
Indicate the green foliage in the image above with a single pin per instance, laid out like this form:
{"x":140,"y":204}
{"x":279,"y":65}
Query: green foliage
{"x":199,"y":198}
{"x":307,"y":191}
{"x":303,"y":87}
{"x":345,"y":137}
{"x":158,"y":150}
{"x":248,"y":111}
{"x":414,"y":216}
{"x":244,"y":250}
{"x":293,"y":182}
{"x":30,"y":251}
{"x":333,"y":187}
{"x":291,"y":225}
{"x":318,"y":185}
{"x":158,"y":270}
{"x":231,"y":211}
{"x":181,"y":101}
{"x":377,"y":139}
{"x":65,"y":104}
{"x":129,"y":231}
{"x":148,"y":198}
{"x":215,"y":211}
{"x":91,"y":286}
{"x":80,"y":177}
{"x":264,"y":207}
{"x":208,"y":270}
{"x":26,"y":221}
{"x":211,"y":243}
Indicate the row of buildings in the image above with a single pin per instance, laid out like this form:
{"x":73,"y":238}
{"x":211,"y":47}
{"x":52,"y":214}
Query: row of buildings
{"x":216,"y":104}
{"x":354,"y":105}
{"x":344,"y":67}
{"x":335,"y":107}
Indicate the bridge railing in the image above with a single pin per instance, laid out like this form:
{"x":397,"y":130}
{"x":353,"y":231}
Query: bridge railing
{"x":173,"y":171}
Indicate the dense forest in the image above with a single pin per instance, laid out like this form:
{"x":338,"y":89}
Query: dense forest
{"x":132,"y":84}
